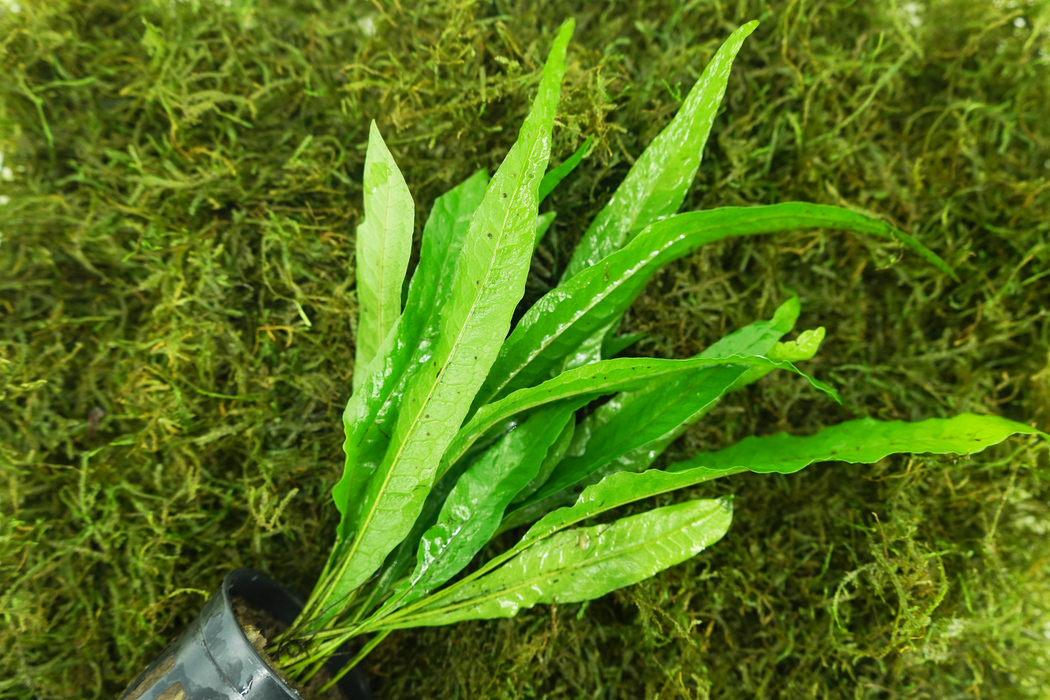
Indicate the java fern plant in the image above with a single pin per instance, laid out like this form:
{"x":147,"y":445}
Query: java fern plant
{"x":460,"y":428}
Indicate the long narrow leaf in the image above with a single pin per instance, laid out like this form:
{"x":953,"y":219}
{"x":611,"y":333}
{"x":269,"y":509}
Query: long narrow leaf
{"x":581,"y":564}
{"x":556,"y":175}
{"x":543,"y":223}
{"x":554,"y":456}
{"x":370,"y":414}
{"x":570,"y":314}
{"x":634,"y":428}
{"x":384,"y":243}
{"x":861,"y":441}
{"x":659,"y":180}
{"x":474,"y":508}
{"x":599,"y":379}
{"x":489,"y":282}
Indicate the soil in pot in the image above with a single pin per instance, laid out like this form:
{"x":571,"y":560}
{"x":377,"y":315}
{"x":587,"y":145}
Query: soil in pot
{"x":260,"y":627}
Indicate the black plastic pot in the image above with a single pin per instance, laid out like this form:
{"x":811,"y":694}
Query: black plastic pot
{"x":213,"y":659}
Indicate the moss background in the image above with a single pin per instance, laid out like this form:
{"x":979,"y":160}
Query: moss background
{"x":177,"y":225}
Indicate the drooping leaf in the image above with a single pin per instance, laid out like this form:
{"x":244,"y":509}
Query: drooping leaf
{"x":659,"y":180}
{"x":556,"y":175}
{"x":370,"y":414}
{"x":861,"y":441}
{"x":572,"y":313}
{"x":474,"y":508}
{"x":488,"y":284}
{"x":598,"y":379}
{"x":581,"y":564}
{"x":384,"y":244}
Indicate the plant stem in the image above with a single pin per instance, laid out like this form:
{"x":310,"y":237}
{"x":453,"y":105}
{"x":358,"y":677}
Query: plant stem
{"x":372,"y":644}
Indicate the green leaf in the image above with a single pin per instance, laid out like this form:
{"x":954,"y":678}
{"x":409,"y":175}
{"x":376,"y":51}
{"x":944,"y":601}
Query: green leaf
{"x":474,"y":508}
{"x":554,"y":328}
{"x":659,"y":180}
{"x":543,"y":222}
{"x":632,"y":429}
{"x":611,"y":347}
{"x":799,"y":350}
{"x":556,"y":175}
{"x":861,"y":441}
{"x":554,"y":455}
{"x":651,"y":415}
{"x":488,"y":284}
{"x":598,"y":379}
{"x":580,"y":564}
{"x":370,"y":414}
{"x":617,"y":490}
{"x":756,"y":338}
{"x":866,"y":440}
{"x":384,"y":244}
{"x":802,"y":348}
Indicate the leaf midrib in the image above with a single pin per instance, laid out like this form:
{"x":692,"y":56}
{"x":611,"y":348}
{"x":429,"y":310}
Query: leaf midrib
{"x":455,"y":345}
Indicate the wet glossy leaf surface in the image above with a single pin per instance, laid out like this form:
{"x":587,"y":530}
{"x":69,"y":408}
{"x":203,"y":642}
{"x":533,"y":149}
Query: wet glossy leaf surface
{"x":370,"y":414}
{"x":634,"y":428}
{"x":583,"y":563}
{"x":474,"y":508}
{"x":384,"y":244}
{"x":659,"y":180}
{"x":489,"y":282}
{"x":598,"y":379}
{"x":569,"y":315}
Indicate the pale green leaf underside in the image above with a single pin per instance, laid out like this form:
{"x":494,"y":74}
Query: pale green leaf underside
{"x":384,"y":244}
{"x":581,"y":564}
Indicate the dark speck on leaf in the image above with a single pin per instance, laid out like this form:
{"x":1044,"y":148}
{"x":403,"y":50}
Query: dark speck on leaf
{"x":504,"y":195}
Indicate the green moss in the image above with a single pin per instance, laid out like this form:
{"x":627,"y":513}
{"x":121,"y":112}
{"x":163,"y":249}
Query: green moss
{"x":177,"y":251}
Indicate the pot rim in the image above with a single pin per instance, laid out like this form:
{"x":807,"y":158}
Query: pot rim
{"x":254,"y":576}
